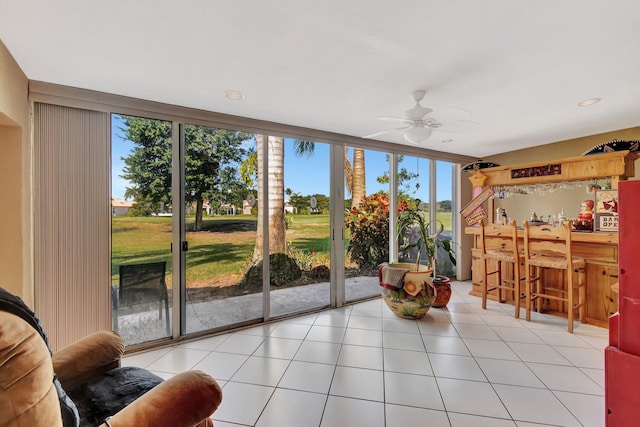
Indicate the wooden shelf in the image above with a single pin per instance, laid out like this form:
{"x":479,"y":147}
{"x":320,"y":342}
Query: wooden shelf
{"x":618,"y":165}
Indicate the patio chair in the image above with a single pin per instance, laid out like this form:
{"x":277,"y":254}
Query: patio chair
{"x":144,"y":284}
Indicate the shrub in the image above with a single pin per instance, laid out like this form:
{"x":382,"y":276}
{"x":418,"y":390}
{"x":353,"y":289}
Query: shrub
{"x":369,"y":228}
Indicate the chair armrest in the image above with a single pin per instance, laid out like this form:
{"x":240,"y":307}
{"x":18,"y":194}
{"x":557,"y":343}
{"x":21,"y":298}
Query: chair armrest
{"x":88,"y":357}
{"x":185,"y":400}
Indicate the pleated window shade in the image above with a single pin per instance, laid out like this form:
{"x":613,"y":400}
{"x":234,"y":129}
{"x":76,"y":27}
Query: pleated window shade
{"x":72,"y":222}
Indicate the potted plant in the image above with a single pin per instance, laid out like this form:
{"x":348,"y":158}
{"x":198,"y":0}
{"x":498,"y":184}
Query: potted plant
{"x":418,"y":233}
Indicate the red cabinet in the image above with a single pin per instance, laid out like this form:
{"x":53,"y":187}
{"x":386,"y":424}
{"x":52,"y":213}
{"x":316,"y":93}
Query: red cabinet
{"x":622,"y":356}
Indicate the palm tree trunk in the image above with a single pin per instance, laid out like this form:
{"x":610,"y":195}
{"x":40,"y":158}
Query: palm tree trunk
{"x":348,"y":171}
{"x":275,"y":181}
{"x":359,"y":179}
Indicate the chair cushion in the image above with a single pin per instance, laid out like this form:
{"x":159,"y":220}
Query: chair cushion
{"x":27,"y":392}
{"x":506,"y":256}
{"x":548,"y":261}
{"x":17,"y":312}
{"x":108,"y":393}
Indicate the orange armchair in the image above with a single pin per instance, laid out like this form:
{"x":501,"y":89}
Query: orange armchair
{"x":83,"y":384}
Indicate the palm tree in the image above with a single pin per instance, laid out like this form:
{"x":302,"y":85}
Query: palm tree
{"x":355,"y":178}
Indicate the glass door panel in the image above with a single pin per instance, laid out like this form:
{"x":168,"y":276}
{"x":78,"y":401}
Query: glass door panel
{"x":367,"y":220}
{"x":444,"y":212}
{"x":220,"y":226}
{"x":141,"y":228}
{"x":299,"y":243}
{"x":413,"y":186}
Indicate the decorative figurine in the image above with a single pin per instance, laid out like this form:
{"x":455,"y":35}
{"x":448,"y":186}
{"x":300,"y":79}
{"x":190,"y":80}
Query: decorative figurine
{"x":585,"y":217}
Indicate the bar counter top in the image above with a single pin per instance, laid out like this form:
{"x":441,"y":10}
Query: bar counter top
{"x":576,"y":236}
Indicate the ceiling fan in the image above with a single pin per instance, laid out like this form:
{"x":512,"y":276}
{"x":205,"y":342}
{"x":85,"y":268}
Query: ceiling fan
{"x":420,"y":122}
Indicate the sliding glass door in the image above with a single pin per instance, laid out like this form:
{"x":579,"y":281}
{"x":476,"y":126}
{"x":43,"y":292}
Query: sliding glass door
{"x":299,"y":243}
{"x":220,"y":223}
{"x":445,"y":176}
{"x":367,"y":220}
{"x":414,"y":189}
{"x":141,"y":229}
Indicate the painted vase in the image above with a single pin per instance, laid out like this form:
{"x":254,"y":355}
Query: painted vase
{"x":416,"y":295}
{"x":443,"y":289}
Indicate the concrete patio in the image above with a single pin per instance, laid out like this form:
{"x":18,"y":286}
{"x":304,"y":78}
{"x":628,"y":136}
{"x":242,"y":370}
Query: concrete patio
{"x":146,"y":326}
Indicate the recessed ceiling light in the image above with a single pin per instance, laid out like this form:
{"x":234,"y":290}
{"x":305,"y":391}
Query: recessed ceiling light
{"x":446,"y":141}
{"x":234,"y":95}
{"x":589,"y":101}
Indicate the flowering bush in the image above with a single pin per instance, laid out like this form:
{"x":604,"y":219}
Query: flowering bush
{"x":369,"y":228}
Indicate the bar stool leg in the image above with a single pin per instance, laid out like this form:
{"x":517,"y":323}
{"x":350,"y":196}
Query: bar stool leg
{"x":581,"y":294}
{"x":516,"y":287}
{"x":527,"y":290}
{"x":483,"y":285}
{"x":499,"y":280}
{"x":539,"y":297}
{"x":570,"y":292}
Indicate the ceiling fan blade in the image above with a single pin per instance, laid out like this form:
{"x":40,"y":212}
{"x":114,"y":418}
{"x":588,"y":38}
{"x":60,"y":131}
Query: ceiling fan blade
{"x":460,"y":126}
{"x":447,"y":115}
{"x":373,"y":135}
{"x":395,"y":119}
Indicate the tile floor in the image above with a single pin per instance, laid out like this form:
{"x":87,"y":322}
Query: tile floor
{"x":362,"y":366}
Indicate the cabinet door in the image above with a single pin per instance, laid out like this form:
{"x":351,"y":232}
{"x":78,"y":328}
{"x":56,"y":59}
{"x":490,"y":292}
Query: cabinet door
{"x":602,"y":301}
{"x":629,"y":235}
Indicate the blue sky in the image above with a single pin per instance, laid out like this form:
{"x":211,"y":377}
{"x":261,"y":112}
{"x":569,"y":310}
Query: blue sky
{"x":310,"y":175}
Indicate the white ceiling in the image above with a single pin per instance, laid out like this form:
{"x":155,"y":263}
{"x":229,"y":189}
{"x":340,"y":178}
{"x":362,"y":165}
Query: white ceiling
{"x":519,"y":66}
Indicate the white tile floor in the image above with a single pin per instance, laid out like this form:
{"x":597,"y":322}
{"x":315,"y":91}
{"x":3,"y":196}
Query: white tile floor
{"x":362,"y":366}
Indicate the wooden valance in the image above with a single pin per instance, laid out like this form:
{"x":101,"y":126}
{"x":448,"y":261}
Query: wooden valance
{"x":618,"y":165}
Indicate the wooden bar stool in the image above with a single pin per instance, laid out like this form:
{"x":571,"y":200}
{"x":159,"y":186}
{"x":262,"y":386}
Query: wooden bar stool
{"x":546,"y":248}
{"x":499,"y":245}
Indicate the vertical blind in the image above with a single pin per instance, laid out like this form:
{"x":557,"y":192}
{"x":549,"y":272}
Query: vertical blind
{"x":72,"y":222}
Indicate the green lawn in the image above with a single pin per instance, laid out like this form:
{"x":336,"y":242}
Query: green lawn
{"x":223,"y":250}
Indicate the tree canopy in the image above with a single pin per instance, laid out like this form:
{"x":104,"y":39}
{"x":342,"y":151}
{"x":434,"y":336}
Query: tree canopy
{"x":148,"y":166}
{"x":405,"y":179}
{"x":212,"y":158}
{"x":303,"y":203}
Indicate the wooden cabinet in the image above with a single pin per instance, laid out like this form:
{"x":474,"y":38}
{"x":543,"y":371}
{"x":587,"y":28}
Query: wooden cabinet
{"x":477,"y":270}
{"x":602,"y":301}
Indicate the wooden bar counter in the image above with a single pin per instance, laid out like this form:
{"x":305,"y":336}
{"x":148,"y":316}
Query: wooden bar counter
{"x":600,"y":250}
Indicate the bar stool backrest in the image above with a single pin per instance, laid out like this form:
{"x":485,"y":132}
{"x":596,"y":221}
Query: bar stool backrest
{"x":547,"y":240}
{"x":498,"y":238}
